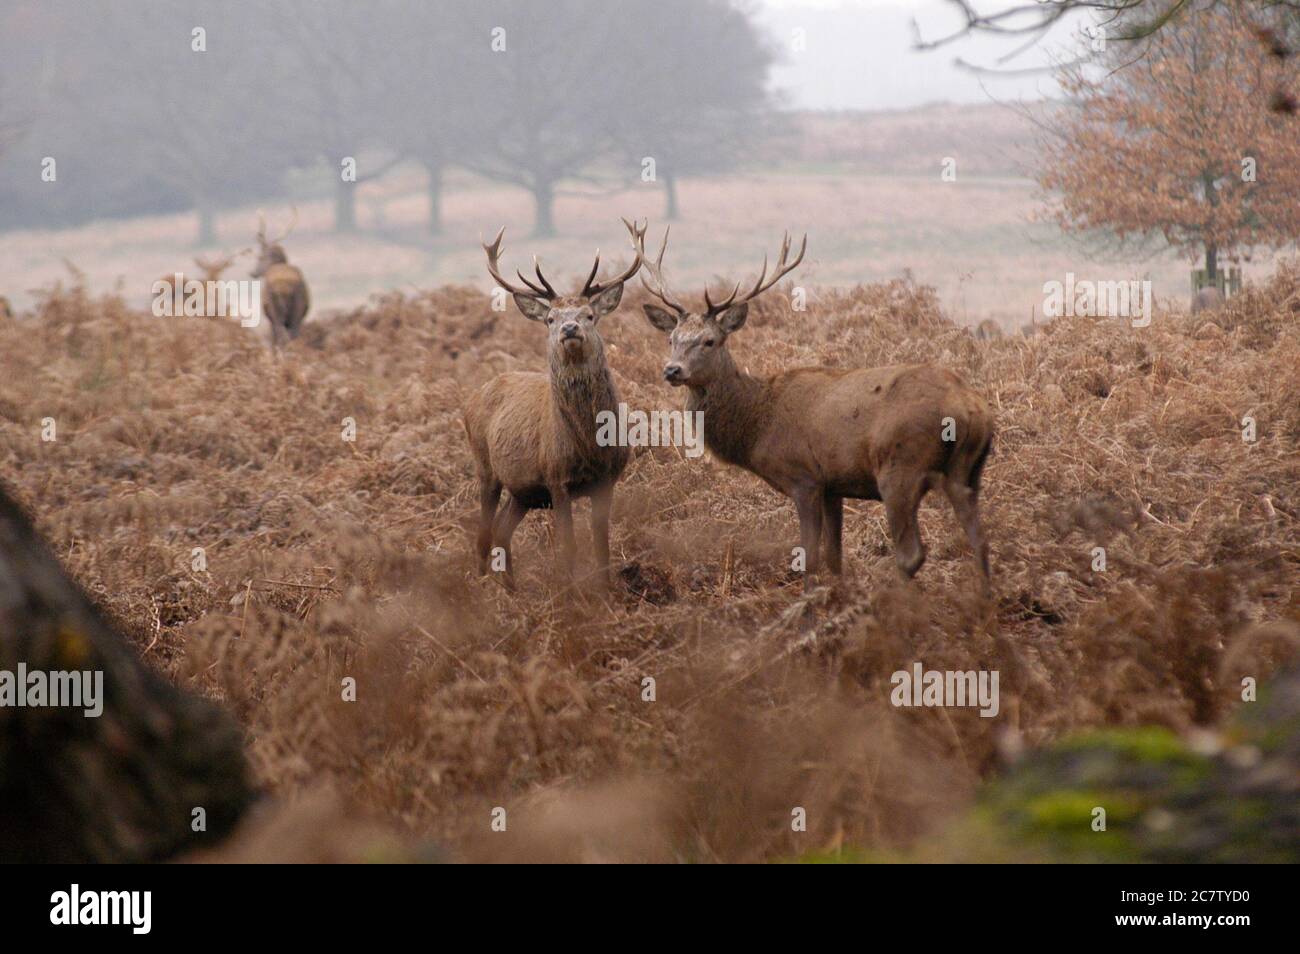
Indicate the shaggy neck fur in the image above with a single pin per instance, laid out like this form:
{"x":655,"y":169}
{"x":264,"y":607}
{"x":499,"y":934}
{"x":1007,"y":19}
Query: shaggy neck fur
{"x":579,"y":391}
{"x":735,"y":410}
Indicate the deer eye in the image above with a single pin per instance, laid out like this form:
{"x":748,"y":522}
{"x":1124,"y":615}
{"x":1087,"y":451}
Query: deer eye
{"x":709,"y":342}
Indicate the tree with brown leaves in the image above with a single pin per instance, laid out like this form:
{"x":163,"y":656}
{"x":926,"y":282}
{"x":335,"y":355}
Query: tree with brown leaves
{"x":1178,"y":142}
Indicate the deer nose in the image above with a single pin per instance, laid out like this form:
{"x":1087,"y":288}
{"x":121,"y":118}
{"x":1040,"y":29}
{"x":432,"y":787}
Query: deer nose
{"x":569,"y":329}
{"x":672,"y":372}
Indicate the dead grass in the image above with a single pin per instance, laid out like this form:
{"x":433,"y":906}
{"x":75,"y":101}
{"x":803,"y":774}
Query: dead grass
{"x":329,"y":560}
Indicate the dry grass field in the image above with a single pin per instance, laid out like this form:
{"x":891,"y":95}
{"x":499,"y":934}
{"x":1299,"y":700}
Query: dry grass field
{"x":328,"y":559}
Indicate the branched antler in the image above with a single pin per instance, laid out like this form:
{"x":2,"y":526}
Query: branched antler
{"x":542,"y":289}
{"x":760,"y":286}
{"x":531,"y":290}
{"x":261,"y":229}
{"x":591,"y":288}
{"x":660,"y":287}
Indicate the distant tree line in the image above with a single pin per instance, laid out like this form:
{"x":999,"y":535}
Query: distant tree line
{"x":155,"y":107}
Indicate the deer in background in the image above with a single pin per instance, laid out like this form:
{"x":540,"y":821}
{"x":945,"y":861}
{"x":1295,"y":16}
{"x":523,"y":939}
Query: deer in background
{"x":1207,"y":299}
{"x":212,"y":269}
{"x":819,"y":435}
{"x":534,"y":434}
{"x":285,"y":299}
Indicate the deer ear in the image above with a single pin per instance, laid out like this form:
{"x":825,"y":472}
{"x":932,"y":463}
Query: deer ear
{"x":665,"y":321}
{"x":733,"y":319}
{"x":532,"y":308}
{"x":607,"y":300}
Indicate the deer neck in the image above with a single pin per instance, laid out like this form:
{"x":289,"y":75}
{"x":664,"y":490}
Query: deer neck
{"x":735,"y":410}
{"x":579,"y":391}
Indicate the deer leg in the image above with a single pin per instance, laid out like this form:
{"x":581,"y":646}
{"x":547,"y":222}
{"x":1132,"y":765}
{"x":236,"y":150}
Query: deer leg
{"x":489,"y":495}
{"x":562,"y":505}
{"x":507,"y":520}
{"x":902,"y":495}
{"x":602,"y":501}
{"x":965,"y":503}
{"x":833,"y":518}
{"x":809,"y":504}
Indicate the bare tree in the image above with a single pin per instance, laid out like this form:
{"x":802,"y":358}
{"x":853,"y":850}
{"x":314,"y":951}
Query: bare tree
{"x":341,"y":60}
{"x":207,"y":130}
{"x":1025,"y":22}
{"x":549,"y":82}
{"x":434,"y":112}
{"x":707,"y":112}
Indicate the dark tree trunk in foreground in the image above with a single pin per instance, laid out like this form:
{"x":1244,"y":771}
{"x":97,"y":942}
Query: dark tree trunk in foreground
{"x":121,"y":787}
{"x":1212,"y":265}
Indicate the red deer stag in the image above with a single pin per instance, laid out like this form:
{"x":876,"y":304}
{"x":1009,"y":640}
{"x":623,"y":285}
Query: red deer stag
{"x":819,"y":435}
{"x":534,"y":434}
{"x":285,"y":299}
{"x":207,"y":301}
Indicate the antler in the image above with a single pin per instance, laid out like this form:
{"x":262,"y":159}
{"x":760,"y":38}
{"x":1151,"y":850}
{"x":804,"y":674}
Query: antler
{"x":660,"y":287}
{"x":493,"y":251}
{"x":782,"y":269}
{"x":261,"y":227}
{"x":592,"y":288}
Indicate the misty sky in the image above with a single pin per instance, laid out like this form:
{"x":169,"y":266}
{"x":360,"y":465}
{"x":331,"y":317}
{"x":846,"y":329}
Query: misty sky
{"x":860,"y":55}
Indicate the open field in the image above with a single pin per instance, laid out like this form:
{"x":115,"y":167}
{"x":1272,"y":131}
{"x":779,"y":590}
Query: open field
{"x":866,"y":187}
{"x":974,"y":240}
{"x":328,"y":559}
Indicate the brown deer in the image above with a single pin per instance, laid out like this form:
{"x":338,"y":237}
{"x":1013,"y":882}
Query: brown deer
{"x":819,"y":435}
{"x":210,"y":303}
{"x":1207,"y":299}
{"x":536,"y":434}
{"x":285,"y":299}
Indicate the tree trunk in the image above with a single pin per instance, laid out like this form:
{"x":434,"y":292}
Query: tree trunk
{"x":434,"y":188}
{"x":120,"y":786}
{"x":670,"y":193}
{"x":1212,"y":265}
{"x":345,"y":206}
{"x":544,"y":197}
{"x":207,"y":223}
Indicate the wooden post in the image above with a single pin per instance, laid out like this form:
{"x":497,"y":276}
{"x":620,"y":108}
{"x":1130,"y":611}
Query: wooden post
{"x":1228,"y":281}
